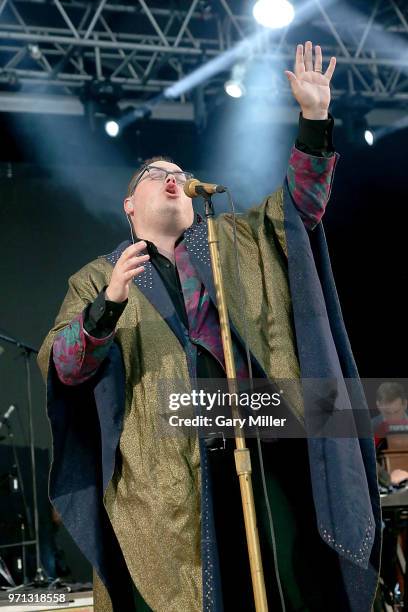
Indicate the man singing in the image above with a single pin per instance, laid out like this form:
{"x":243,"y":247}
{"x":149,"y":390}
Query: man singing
{"x":159,"y":518}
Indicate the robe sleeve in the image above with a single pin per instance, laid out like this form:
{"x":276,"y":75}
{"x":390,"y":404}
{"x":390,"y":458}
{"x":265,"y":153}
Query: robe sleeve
{"x":76,"y":354}
{"x":310,"y":181}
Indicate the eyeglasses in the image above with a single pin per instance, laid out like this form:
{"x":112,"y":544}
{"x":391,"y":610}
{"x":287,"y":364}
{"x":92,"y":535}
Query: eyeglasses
{"x":160,"y":174}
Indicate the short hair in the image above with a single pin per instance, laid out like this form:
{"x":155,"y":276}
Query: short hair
{"x":390,"y":391}
{"x":146,"y":162}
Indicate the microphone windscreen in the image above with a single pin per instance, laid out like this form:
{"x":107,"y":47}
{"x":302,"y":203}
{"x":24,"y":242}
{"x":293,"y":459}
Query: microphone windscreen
{"x":189,"y":187}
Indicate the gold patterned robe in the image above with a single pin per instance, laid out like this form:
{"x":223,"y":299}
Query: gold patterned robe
{"x":153,"y":500}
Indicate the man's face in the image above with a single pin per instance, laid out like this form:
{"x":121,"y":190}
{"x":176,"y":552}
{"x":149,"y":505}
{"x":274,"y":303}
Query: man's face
{"x":393,"y":411}
{"x":161,"y":204}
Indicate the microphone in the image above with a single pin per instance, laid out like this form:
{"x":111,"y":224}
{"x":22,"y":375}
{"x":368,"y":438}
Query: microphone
{"x":194,"y":188}
{"x":6,"y":415}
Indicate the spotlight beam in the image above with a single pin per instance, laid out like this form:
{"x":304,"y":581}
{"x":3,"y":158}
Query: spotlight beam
{"x":225,"y":60}
{"x":219,"y":64}
{"x":400,"y":124}
{"x":198,"y":76}
{"x":379,"y":43}
{"x":214,"y":66}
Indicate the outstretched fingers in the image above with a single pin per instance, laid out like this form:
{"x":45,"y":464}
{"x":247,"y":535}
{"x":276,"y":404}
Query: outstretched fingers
{"x":309,"y":56}
{"x":291,"y":77}
{"x":330,"y":70}
{"x":299,"y":61}
{"x":318,"y":59}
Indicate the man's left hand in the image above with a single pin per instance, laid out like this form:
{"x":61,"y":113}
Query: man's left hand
{"x":310,"y":86}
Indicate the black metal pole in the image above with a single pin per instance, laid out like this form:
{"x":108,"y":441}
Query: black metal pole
{"x":40,"y":576}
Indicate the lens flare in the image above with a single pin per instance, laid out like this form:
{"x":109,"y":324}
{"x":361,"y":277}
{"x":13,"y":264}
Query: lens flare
{"x":369,"y":137}
{"x":112,"y":128}
{"x":234,"y":89}
{"x":273,"y":14}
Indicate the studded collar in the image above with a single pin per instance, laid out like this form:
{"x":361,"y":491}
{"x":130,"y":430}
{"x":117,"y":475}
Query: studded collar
{"x":152,"y":248}
{"x":196,"y":242}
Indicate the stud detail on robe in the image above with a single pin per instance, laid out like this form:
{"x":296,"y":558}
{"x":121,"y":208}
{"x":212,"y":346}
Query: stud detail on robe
{"x":145,"y":278}
{"x":362,"y":552}
{"x":196,"y":241}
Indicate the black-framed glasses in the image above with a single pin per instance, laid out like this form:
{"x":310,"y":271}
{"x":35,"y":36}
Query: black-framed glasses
{"x":160,"y":174}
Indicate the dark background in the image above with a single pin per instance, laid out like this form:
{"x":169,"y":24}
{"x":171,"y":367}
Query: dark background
{"x":61,"y":192}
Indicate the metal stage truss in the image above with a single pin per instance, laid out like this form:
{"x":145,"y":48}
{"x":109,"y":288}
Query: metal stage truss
{"x":50,"y":49}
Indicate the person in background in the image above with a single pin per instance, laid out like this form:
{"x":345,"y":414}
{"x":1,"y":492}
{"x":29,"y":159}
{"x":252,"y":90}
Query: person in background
{"x":391,"y":403}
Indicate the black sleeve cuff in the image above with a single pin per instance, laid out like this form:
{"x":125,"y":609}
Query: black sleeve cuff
{"x":101,"y":317}
{"x":315,"y":137}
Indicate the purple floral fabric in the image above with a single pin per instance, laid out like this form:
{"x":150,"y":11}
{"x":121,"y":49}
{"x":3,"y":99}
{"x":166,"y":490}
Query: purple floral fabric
{"x":76,"y":354}
{"x":310,"y":179}
{"x":203,"y":319}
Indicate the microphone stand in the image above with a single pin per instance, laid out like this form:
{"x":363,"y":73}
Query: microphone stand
{"x":40,"y":576}
{"x":241,"y":452}
{"x":23,"y":543}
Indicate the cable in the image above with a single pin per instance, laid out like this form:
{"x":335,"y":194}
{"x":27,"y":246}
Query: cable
{"x":131,"y":229}
{"x":259,"y":447}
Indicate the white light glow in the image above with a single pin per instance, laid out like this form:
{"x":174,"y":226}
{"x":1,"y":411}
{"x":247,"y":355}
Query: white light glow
{"x":273,"y":13}
{"x":112,"y":128}
{"x":235,"y":89}
{"x":369,"y":137}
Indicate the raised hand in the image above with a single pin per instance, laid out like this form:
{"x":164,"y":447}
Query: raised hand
{"x":310,"y":86}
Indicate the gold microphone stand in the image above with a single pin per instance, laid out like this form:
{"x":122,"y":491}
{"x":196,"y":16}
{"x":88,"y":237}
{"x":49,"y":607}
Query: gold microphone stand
{"x":242,"y":454}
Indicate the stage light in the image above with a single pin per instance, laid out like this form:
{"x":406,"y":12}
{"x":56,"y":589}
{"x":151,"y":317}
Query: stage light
{"x":101,"y":99}
{"x":112,"y":128}
{"x":365,"y":131}
{"x":273,"y":14}
{"x":203,"y":73}
{"x":35,"y":51}
{"x":369,"y":137}
{"x":234,"y":87}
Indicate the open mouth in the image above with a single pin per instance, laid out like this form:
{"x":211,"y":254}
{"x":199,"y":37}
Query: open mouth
{"x":171,"y":190}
